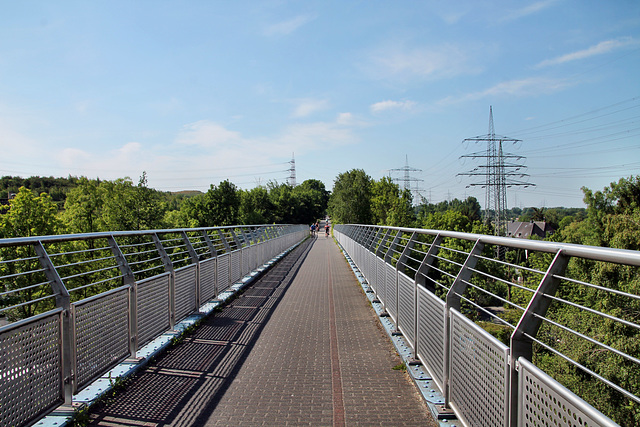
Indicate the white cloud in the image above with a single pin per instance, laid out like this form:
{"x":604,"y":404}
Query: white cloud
{"x":529,"y":10}
{"x":287,"y":27}
{"x":599,"y":49}
{"x":392,"y":105}
{"x":431,"y":62}
{"x":306,"y":107}
{"x":205,"y":133}
{"x":516,"y":88}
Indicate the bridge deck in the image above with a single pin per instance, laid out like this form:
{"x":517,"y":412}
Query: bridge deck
{"x":301,"y":346}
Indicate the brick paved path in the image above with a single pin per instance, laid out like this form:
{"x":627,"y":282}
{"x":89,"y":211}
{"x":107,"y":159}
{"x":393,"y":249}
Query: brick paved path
{"x":300,"y":347}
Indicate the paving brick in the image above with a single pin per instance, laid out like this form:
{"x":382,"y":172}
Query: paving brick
{"x":312,"y":353}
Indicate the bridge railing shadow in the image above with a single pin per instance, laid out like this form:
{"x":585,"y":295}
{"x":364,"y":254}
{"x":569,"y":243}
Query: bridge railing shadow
{"x":499,"y":322}
{"x":75,"y":306}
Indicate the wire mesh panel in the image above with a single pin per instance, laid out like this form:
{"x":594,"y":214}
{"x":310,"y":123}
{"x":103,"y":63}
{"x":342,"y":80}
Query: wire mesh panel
{"x":101,"y":328}
{"x":30,"y":369}
{"x":185,"y":288}
{"x":207,"y":279}
{"x":544,"y":401}
{"x":479,"y":374}
{"x":431,"y":333}
{"x":407,"y":308}
{"x":391,"y":292}
{"x":223,"y":272}
{"x":153,"y":307}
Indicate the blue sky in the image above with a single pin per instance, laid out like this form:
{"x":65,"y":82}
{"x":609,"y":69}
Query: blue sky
{"x":195,"y":92}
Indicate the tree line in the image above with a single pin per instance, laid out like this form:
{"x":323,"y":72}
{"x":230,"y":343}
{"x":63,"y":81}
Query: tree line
{"x":611,"y":219}
{"x":90,"y":205}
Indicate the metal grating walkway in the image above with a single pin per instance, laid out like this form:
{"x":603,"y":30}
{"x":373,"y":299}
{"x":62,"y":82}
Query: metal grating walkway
{"x":301,"y":346}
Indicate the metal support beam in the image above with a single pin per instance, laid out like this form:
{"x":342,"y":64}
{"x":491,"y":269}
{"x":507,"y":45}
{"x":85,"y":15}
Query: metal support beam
{"x":530,"y":322}
{"x":63,"y":301}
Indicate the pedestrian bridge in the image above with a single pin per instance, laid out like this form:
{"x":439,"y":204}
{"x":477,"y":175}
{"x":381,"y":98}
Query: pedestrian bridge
{"x":277,"y":330}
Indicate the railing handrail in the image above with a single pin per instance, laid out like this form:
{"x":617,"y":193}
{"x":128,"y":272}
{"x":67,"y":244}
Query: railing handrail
{"x":433,"y":296}
{"x":594,"y":253}
{"x":57,"y":238}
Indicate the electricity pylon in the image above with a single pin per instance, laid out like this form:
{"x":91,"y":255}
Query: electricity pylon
{"x":408,"y":179}
{"x":292,"y":171}
{"x":500,"y":172}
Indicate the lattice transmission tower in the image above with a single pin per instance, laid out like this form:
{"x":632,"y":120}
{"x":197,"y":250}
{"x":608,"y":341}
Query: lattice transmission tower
{"x":407,"y":180}
{"x":292,"y":171}
{"x":500,"y":172}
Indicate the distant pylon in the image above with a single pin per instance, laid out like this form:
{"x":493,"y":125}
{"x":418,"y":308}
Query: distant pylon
{"x":499,"y":173}
{"x":407,"y":180}
{"x":292,"y":171}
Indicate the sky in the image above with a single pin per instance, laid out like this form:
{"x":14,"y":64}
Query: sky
{"x":197,"y":92}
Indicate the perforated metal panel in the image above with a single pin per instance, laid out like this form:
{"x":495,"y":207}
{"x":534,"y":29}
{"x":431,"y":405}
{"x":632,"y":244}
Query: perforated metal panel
{"x":478,"y":374}
{"x":223,"y":272}
{"x":30,"y":369}
{"x":153,"y":307}
{"x":431,"y":333}
{"x":544,"y":401}
{"x":207,"y":279}
{"x":407,"y":308}
{"x":185,"y":289}
{"x":370,"y":261}
{"x":391,"y":292}
{"x":101,"y":328}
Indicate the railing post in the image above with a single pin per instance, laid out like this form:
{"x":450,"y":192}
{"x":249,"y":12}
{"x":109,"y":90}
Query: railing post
{"x":401,"y":268}
{"x":168,"y":267}
{"x":227,"y":247}
{"x":212,"y":249}
{"x":195,"y":259}
{"x":529,"y":324}
{"x":388,"y":257}
{"x":453,"y":301}
{"x":63,"y":301}
{"x":421,"y":280}
{"x":128,"y":279}
{"x":427,"y":261}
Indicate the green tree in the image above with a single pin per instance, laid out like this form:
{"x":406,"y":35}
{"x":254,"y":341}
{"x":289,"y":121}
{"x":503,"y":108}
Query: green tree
{"x":350,"y":200}
{"x":27,"y":215}
{"x":285,"y":203}
{"x":384,"y":199}
{"x":312,"y":198}
{"x":255,"y":206}
{"x":83,"y":208}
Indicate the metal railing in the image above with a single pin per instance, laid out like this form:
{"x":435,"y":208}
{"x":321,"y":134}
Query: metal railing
{"x":78,"y":305}
{"x":487,"y":316}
